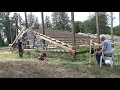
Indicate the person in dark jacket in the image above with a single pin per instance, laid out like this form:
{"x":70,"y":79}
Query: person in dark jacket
{"x":20,"y":48}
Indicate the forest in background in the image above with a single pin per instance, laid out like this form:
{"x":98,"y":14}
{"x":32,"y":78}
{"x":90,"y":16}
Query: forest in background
{"x":10,"y":26}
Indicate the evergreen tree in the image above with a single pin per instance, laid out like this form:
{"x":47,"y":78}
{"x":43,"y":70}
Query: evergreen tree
{"x":48,"y":23}
{"x":60,"y":20}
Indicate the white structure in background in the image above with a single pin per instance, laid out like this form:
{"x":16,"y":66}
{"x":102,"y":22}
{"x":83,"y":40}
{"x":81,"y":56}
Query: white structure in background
{"x":116,"y":38}
{"x":88,"y":35}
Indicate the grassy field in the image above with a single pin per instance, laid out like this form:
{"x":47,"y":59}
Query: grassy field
{"x":55,"y":66}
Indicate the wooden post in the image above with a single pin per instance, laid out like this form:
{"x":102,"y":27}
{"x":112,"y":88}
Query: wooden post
{"x":26,"y":20}
{"x":43,"y":28}
{"x":90,"y":51}
{"x":16,"y":24}
{"x":73,"y":31}
{"x":28,"y":47}
{"x":34,"y":41}
{"x":27,"y":28}
{"x":97,"y":27}
{"x":19,"y":19}
{"x":119,"y":18}
{"x":10,"y":32}
{"x":111,"y":26}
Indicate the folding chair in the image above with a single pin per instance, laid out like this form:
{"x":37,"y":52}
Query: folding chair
{"x":109,"y":59}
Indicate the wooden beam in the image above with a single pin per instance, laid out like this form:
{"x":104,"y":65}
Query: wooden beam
{"x":97,"y":27}
{"x":14,"y":42}
{"x":11,"y":33}
{"x":111,"y":26}
{"x":65,"y":37}
{"x":84,"y":45}
{"x":34,"y":41}
{"x":16,"y":24}
{"x":27,"y":28}
{"x":73,"y":29}
{"x":43,"y":28}
{"x":119,"y":18}
{"x":42,"y":18}
{"x":47,"y":51}
{"x":55,"y":43}
{"x":55,"y":40}
{"x":26,"y":23}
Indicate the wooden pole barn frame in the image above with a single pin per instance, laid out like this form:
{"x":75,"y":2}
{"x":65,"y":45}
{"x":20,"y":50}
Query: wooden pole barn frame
{"x":68,"y":48}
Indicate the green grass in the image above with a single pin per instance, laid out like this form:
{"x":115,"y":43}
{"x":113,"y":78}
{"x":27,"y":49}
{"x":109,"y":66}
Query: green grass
{"x":92,"y":71}
{"x":80,"y":67}
{"x":82,"y":49}
{"x":7,"y":54}
{"x":117,"y":47}
{"x":67,"y":57}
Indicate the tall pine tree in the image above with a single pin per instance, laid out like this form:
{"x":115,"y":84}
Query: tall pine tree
{"x":1,"y":29}
{"x":60,"y":20}
{"x":48,"y":23}
{"x":32,"y":20}
{"x":6,"y":25}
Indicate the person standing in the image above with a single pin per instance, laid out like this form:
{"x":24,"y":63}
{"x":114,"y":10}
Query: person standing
{"x":20,"y":48}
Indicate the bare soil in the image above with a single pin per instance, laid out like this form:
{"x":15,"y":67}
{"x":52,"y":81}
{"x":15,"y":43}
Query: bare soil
{"x":11,"y":67}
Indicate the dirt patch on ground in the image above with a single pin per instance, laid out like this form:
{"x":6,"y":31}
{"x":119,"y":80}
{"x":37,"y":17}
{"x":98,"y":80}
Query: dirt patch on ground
{"x":25,"y":69}
{"x":28,"y":69}
{"x":11,"y":67}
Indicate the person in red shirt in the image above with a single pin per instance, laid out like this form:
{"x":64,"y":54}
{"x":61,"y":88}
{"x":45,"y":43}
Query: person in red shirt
{"x":42,"y":56}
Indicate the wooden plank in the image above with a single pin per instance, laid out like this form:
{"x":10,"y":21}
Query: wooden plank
{"x":84,"y":45}
{"x":64,"y":44}
{"x":48,"y":37}
{"x":69,"y":39}
{"x":76,"y":42}
{"x":29,"y":45}
{"x":14,"y":42}
{"x":69,"y":45}
{"x":111,"y":26}
{"x":53,"y":39}
{"x":97,"y":28}
{"x":79,"y":44}
{"x":26,"y":22}
{"x":58,"y":41}
{"x":47,"y":51}
{"x":30,"y":50}
{"x":57,"y":44}
{"x":44,"y":35}
{"x":82,"y":52}
{"x":63,"y":36}
{"x":66,"y":39}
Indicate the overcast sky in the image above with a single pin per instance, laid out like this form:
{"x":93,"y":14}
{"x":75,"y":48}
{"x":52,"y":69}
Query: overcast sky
{"x":78,"y":16}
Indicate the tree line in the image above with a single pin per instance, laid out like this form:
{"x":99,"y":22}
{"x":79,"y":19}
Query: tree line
{"x":10,"y":26}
